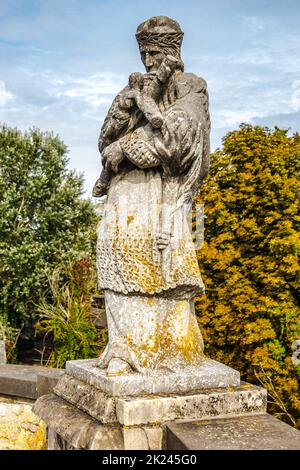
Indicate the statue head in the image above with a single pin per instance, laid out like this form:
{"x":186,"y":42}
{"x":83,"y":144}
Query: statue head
{"x":158,"y":37}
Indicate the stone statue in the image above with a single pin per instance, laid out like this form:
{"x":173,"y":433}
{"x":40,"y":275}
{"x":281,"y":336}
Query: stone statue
{"x":155,"y":153}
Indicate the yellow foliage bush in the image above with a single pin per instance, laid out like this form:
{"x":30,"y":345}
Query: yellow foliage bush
{"x":250,"y":315}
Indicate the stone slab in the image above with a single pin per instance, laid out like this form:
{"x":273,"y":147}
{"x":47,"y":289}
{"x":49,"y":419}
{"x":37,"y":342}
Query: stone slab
{"x":27,"y":381}
{"x":206,"y":403}
{"x":262,"y":432}
{"x":70,"y":428}
{"x":208,"y":374}
{"x":19,"y":380}
{"x":47,"y":379}
{"x":87,"y":398}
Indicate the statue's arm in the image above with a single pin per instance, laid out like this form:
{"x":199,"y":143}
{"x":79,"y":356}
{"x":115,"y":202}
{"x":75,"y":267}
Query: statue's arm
{"x":183,"y":137}
{"x":115,"y":121}
{"x":185,"y":133}
{"x":138,"y":147}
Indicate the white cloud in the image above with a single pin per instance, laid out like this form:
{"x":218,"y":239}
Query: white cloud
{"x":94,"y":90}
{"x":53,"y":59}
{"x":255,"y":24}
{"x":295,"y":98}
{"x":244,"y":102}
{"x":231,"y":117}
{"x":73,"y":106}
{"x":5,"y":95}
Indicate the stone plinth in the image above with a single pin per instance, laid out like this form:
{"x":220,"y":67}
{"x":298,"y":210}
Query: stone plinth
{"x":204,"y":404}
{"x":153,"y":409}
{"x":129,"y":424}
{"x":208,"y":374}
{"x":81,"y":416}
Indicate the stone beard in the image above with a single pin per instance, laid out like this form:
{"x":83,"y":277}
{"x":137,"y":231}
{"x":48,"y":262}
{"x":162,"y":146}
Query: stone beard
{"x":155,"y":151}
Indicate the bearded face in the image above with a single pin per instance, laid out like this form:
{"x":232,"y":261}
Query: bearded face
{"x":158,"y":37}
{"x":152,"y":60}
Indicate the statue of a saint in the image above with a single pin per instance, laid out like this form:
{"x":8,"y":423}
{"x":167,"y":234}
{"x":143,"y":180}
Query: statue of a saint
{"x":155,"y":153}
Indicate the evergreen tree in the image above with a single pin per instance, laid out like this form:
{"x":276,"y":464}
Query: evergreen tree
{"x":43,"y":219}
{"x":250,"y":314}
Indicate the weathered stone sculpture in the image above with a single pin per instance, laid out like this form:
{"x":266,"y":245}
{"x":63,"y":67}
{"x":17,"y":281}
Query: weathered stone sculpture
{"x":155,"y":151}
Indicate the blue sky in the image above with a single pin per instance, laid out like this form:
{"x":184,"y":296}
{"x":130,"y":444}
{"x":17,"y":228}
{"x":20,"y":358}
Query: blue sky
{"x":62,"y":62}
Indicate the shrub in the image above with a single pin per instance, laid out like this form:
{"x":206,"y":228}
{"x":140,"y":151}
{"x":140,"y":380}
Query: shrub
{"x":43,"y":218}
{"x":67,"y":319}
{"x":250,"y":315}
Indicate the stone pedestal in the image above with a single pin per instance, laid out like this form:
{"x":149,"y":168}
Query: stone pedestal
{"x":208,"y":374}
{"x":91,"y":411}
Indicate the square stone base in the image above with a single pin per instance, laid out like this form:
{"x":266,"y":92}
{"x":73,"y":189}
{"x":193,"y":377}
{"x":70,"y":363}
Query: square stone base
{"x":208,"y":374}
{"x":89,"y":410}
{"x":153,"y":409}
{"x":80,"y":416}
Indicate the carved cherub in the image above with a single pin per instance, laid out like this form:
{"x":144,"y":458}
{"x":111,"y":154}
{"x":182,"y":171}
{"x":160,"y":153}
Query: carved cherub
{"x":138,"y":100}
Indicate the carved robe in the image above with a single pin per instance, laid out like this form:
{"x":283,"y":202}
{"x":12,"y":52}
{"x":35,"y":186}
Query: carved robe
{"x":149,"y":293}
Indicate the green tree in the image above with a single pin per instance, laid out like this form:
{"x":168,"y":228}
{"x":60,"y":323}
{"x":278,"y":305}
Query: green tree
{"x":43,"y":219}
{"x":250,"y":314}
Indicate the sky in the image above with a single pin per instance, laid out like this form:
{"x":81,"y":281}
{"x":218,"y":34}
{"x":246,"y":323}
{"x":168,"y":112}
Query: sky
{"x":63,"y":61}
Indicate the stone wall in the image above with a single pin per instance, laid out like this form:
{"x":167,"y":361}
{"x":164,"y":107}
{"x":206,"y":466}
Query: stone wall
{"x":20,"y":385}
{"x":20,"y":428}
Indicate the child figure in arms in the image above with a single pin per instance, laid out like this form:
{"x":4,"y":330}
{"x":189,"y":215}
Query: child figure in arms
{"x":139,"y":100}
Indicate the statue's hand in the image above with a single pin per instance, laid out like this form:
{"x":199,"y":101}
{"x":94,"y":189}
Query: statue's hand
{"x":163,"y":240}
{"x":127,"y":100}
{"x":112,"y":157}
{"x":130,"y":98}
{"x":99,"y":188}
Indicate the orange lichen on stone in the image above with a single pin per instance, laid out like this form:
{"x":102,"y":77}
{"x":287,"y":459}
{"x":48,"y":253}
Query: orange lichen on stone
{"x":20,"y":429}
{"x":176,"y":337}
{"x":137,"y":263}
{"x":130,"y":219}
